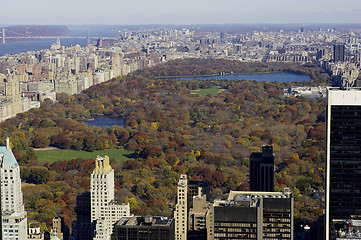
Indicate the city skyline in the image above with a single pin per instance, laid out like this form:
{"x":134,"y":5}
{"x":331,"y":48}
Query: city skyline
{"x":111,"y":12}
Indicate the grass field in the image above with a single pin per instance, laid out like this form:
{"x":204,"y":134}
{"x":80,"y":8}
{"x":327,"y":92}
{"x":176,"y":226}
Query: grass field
{"x":204,"y":92}
{"x":120,"y":155}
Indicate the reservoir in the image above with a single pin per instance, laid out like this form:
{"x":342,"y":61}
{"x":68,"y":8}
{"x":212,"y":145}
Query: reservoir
{"x":105,"y":122}
{"x":267,"y":77}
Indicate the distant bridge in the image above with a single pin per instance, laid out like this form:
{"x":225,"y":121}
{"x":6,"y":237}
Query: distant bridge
{"x":26,"y":36}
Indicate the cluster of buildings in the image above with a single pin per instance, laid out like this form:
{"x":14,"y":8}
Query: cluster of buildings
{"x":254,"y":214}
{"x":312,"y":92}
{"x":99,"y":209}
{"x":41,"y":74}
{"x":259,"y":213}
{"x":344,"y":66}
{"x":28,"y":78}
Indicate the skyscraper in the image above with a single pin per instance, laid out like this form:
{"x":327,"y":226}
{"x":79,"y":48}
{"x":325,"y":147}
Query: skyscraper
{"x":14,"y":217}
{"x":187,"y":191}
{"x":83,"y":217}
{"x":262,"y":170}
{"x":339,"y":52}
{"x":343,"y":158}
{"x":104,"y":210}
{"x":180,"y":213}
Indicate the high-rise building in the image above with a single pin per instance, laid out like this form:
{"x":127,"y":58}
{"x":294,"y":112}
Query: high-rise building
{"x":180,"y":213}
{"x":222,"y":37}
{"x":339,"y":52}
{"x":254,"y":215}
{"x":14,"y":217}
{"x":104,"y":210}
{"x":261,"y":175}
{"x":186,"y":191}
{"x":343,"y":157}
{"x":83,"y":218}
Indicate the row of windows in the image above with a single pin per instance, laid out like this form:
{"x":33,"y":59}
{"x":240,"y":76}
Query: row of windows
{"x":276,"y":235}
{"x":11,"y":230}
{"x":240,"y":230}
{"x":277,"y":220}
{"x":10,"y":226}
{"x":233,"y":224}
{"x":275,"y":225}
{"x":276,"y":230}
{"x":229,"y":235}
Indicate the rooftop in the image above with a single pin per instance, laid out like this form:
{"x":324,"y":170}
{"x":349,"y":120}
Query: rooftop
{"x":145,"y":221}
{"x":237,"y":195}
{"x":7,"y":157}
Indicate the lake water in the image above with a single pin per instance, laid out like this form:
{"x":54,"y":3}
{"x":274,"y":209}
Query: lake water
{"x":105,"y":122}
{"x":269,"y":77}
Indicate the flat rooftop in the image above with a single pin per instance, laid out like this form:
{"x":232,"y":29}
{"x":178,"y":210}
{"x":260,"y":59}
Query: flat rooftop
{"x":145,"y":221}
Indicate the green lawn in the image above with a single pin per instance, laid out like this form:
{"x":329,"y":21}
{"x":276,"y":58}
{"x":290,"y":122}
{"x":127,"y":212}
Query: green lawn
{"x":120,"y":155}
{"x":204,"y":92}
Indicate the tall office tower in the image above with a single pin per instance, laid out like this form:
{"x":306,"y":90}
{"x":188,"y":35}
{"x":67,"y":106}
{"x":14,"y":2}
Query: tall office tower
{"x":262,"y":170}
{"x":343,"y":158}
{"x":186,"y":191}
{"x":180,"y":213}
{"x":104,"y":211}
{"x":222,"y":37}
{"x":254,"y":215}
{"x":83,"y":217}
{"x":14,"y":218}
{"x":339,"y":52}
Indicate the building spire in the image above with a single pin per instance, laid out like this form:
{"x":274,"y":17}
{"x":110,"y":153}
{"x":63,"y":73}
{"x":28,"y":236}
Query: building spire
{"x":7,"y":143}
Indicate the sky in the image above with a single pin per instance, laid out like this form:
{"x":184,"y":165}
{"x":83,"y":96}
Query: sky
{"x":133,"y":12}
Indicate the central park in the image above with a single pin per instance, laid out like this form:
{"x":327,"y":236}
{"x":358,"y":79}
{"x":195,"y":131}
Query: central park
{"x":207,"y":128}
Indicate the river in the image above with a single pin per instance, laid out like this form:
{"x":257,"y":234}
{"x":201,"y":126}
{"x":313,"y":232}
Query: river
{"x":14,"y":47}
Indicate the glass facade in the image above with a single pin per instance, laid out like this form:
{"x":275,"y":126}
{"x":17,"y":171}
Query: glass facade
{"x":345,"y":161}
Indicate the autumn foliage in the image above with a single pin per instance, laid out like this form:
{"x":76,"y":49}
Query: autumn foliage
{"x":170,"y":130}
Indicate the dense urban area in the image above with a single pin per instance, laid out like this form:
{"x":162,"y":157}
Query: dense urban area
{"x":188,"y":159}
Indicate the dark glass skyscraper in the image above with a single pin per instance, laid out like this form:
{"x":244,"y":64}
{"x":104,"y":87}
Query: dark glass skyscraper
{"x":339,"y":52}
{"x":343,"y":163}
{"x":262,"y":170}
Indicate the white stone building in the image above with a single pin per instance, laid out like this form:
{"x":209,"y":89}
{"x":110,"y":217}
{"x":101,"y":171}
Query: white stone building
{"x":180,"y":213}
{"x":104,"y":210}
{"x":13,"y":214}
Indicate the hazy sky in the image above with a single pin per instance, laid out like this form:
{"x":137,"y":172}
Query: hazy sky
{"x":118,"y":12}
